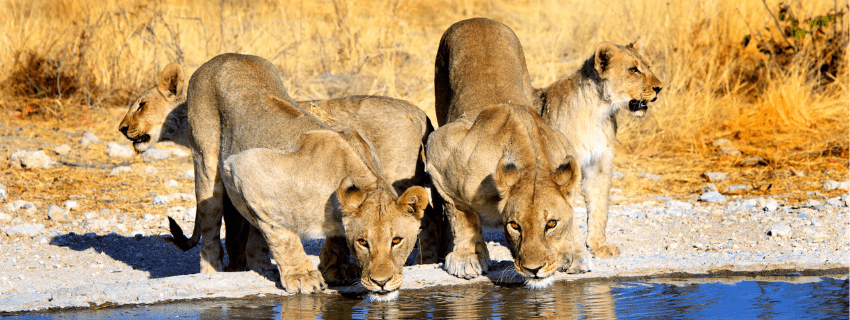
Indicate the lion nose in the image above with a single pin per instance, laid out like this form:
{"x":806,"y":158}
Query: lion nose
{"x":533,"y":271}
{"x":657,"y":90}
{"x":124,"y":129}
{"x":381,"y":282}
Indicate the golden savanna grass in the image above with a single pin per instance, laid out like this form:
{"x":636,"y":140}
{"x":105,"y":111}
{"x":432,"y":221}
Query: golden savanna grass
{"x":75,"y":64}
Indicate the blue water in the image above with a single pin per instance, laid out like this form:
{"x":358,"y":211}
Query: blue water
{"x":762,"y":297}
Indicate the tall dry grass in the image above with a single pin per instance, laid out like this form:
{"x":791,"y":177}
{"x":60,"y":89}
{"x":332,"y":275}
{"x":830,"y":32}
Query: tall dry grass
{"x":57,"y":55}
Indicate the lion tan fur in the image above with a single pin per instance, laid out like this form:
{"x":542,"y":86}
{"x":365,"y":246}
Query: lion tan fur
{"x":583,"y":108}
{"x":494,"y":160}
{"x":232,"y":102}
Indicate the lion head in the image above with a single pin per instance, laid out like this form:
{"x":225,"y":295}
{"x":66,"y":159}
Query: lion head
{"x":381,"y":230}
{"x":145,"y":121}
{"x":537,"y":216}
{"x":626,"y":77}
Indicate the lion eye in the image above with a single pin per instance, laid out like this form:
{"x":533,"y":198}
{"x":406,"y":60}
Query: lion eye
{"x":634,"y":70}
{"x":551,"y":224}
{"x":396,"y":240}
{"x":514,"y":225}
{"x":363,"y":242}
{"x":142,"y":104}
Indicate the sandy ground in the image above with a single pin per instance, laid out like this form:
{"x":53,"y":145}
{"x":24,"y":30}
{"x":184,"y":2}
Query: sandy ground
{"x":61,"y":269}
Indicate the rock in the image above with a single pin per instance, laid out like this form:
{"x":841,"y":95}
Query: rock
{"x":779,"y":230}
{"x":672,"y":246}
{"x":798,"y":173}
{"x":846,"y":199}
{"x":148,"y":217}
{"x":56,"y":213}
{"x":767,"y":204}
{"x":189,"y":214}
{"x":617,"y":198}
{"x":20,"y":207}
{"x":835,"y":202}
{"x":714,"y":176}
{"x":710,"y":188}
{"x":738,"y":188}
{"x":730,"y":150}
{"x":177,"y":153}
{"x":70,"y":204}
{"x":830,"y":185}
{"x":120,"y":170}
{"x":752,"y":161}
{"x":97,"y":224}
{"x":26,"y":229}
{"x":844,"y":185}
{"x":160,"y":201}
{"x":189,"y":174}
{"x":150,"y":170}
{"x":617,"y":175}
{"x":5,"y":217}
{"x":721,"y":142}
{"x":31,"y":160}
{"x":811,"y":203}
{"x":649,"y":176}
{"x":156,"y":154}
{"x":171,"y":184}
{"x":678,"y":205}
{"x":90,"y":215}
{"x":3,"y":192}
{"x":712,"y":197}
{"x":62,"y":149}
{"x":119,"y":151}
{"x":89,"y":138}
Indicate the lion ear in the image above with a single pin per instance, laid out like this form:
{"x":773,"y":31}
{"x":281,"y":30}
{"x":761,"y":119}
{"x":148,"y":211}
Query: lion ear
{"x":413,"y":201}
{"x":632,"y":45}
{"x":170,"y":82}
{"x":566,"y":175}
{"x":602,"y":58}
{"x":286,"y":106}
{"x":506,"y":176}
{"x":350,"y":196}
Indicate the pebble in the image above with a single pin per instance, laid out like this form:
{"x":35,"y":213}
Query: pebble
{"x":710,"y":188}
{"x":752,"y":161}
{"x":89,"y":138}
{"x":730,"y":151}
{"x":171,"y":184}
{"x":119,"y":151}
{"x":160,"y":200}
{"x":779,"y":230}
{"x":189,"y":214}
{"x":189,"y":174}
{"x":20,"y":207}
{"x":5,"y":217}
{"x":617,"y":198}
{"x":90,"y":215}
{"x":767,"y":204}
{"x":31,"y":160}
{"x":156,"y":154}
{"x":678,"y":205}
{"x":62,"y":149}
{"x":26,"y":229}
{"x":56,"y":213}
{"x":71,"y":204}
{"x":835,"y":202}
{"x":714,"y":176}
{"x":649,"y":176}
{"x":721,"y":142}
{"x":150,"y":170}
{"x":3,"y":192}
{"x":712,"y":197}
{"x":120,"y":170}
{"x":811,"y":203}
{"x":178,"y":153}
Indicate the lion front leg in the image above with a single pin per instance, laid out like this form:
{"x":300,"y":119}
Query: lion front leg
{"x":335,"y":262}
{"x":469,"y":257}
{"x":297,"y":273}
{"x":596,"y":183}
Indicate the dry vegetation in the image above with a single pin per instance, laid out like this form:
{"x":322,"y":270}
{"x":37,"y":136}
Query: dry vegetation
{"x":762,"y":75}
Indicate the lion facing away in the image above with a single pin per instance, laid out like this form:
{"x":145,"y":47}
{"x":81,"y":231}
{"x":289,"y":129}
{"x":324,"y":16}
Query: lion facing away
{"x":494,"y":160}
{"x":583,"y":107}
{"x":397,"y":129}
{"x":232,"y":101}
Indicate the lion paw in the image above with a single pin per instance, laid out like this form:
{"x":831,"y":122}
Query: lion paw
{"x":303,"y":282}
{"x":605,"y":251}
{"x":577,"y":262}
{"x":466,"y":265}
{"x":341,"y":274}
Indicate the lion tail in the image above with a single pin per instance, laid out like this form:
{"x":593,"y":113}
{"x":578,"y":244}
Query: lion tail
{"x":180,"y":239}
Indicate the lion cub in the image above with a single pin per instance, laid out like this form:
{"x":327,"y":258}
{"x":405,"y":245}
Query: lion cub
{"x":495,"y":161}
{"x":583,"y":108}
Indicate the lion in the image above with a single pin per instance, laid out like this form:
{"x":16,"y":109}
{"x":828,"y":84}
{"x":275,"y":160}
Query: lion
{"x":397,"y":128}
{"x":232,"y":101}
{"x":496,"y":162}
{"x":583,"y":107}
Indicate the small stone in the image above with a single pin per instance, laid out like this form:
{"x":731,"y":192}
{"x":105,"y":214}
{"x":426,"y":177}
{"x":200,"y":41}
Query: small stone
{"x":120,"y":227}
{"x":89,"y":138}
{"x":830,"y":185}
{"x":844,"y":185}
{"x":811,"y":203}
{"x":148,"y":217}
{"x":171,"y":184}
{"x":846,"y":199}
{"x":5,"y":217}
{"x":738,"y":188}
{"x":71,"y":204}
{"x":120,"y":170}
{"x":730,"y":150}
{"x":149,"y":170}
{"x":779,"y":230}
{"x":189,"y":174}
{"x":678,"y":205}
{"x":767,"y":204}
{"x":615,"y":198}
{"x":721,"y":142}
{"x":119,"y":151}
{"x":835,"y":202}
{"x":26,"y":229}
{"x":62,"y":149}
{"x":31,"y":160}
{"x":20,"y":207}
{"x":752,"y":161}
{"x":617,"y":175}
{"x":90,"y":215}
{"x":178,"y":153}
{"x":714,"y":176}
{"x":56,"y":213}
{"x":798,"y":173}
{"x":189,"y":214}
{"x":649,"y":176}
{"x":672,"y":246}
{"x":802,"y":216}
{"x":160,"y":200}
{"x":3,"y":193}
{"x":710,"y":188}
{"x":156,"y":154}
{"x":712,"y":197}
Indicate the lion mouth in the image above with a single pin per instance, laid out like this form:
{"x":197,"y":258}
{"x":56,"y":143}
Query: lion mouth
{"x":638,"y":105}
{"x":383,"y":295}
{"x":142,"y":138}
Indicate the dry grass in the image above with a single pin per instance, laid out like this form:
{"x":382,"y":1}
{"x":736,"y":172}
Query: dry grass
{"x":74,"y":65}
